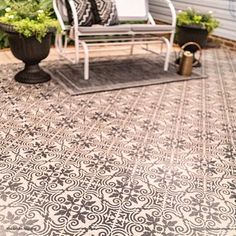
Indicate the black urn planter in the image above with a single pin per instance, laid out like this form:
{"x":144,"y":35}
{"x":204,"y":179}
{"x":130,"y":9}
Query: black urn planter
{"x":192,"y":33}
{"x":31,"y":52}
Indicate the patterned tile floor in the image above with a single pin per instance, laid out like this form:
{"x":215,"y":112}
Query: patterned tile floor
{"x":149,"y":161}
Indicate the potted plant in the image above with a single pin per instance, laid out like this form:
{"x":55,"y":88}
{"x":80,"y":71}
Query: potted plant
{"x":29,"y":28}
{"x":193,"y":26}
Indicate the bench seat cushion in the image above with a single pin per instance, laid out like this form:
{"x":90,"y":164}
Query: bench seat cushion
{"x":150,"y":28}
{"x":105,"y":29}
{"x":125,"y":28}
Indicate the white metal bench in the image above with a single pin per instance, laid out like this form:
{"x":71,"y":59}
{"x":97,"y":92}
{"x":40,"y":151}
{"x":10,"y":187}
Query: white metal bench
{"x":128,"y":10}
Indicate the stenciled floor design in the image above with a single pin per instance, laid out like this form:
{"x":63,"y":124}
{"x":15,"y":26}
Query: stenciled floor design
{"x":148,"y":161}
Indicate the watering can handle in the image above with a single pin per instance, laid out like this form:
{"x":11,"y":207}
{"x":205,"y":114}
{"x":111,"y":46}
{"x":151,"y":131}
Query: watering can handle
{"x":188,"y":44}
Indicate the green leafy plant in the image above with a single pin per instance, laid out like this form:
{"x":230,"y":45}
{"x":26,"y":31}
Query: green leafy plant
{"x":3,"y":37}
{"x":29,"y":17}
{"x":194,"y":18}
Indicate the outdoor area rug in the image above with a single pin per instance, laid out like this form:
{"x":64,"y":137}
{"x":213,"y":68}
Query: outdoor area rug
{"x":117,"y":73}
{"x":155,"y":160}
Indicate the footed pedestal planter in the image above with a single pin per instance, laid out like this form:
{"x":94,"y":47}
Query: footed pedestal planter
{"x":31,"y":52}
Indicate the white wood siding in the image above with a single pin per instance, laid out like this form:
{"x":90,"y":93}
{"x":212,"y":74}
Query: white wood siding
{"x":223,"y":10}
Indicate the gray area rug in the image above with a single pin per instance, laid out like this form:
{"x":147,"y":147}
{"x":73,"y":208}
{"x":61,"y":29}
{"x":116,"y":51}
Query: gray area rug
{"x":117,"y":73}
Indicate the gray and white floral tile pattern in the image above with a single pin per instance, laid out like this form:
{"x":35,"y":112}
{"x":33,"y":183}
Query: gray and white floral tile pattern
{"x":148,"y":161}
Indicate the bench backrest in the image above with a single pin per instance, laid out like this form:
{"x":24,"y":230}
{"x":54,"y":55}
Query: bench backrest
{"x":132,"y":9}
{"x":127,"y":10}
{"x":62,"y":8}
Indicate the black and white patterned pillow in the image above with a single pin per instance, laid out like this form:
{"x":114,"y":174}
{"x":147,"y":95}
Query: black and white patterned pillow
{"x":84,"y":12}
{"x":107,"y":12}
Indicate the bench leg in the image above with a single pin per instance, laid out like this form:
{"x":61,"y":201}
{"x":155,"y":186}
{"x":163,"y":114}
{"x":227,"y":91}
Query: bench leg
{"x":132,"y":47}
{"x":58,"y":43}
{"x":132,"y":50}
{"x":77,"y":41}
{"x":86,"y":60}
{"x":62,"y":48}
{"x":168,"y":51}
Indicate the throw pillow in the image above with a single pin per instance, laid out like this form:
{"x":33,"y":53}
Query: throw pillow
{"x":97,"y":19}
{"x":107,"y":12}
{"x":84,"y":12}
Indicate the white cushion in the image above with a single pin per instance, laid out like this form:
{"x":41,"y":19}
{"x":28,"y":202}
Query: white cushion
{"x":132,"y":9}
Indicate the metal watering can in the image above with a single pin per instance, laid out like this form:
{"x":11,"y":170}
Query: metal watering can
{"x":187,"y":59}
